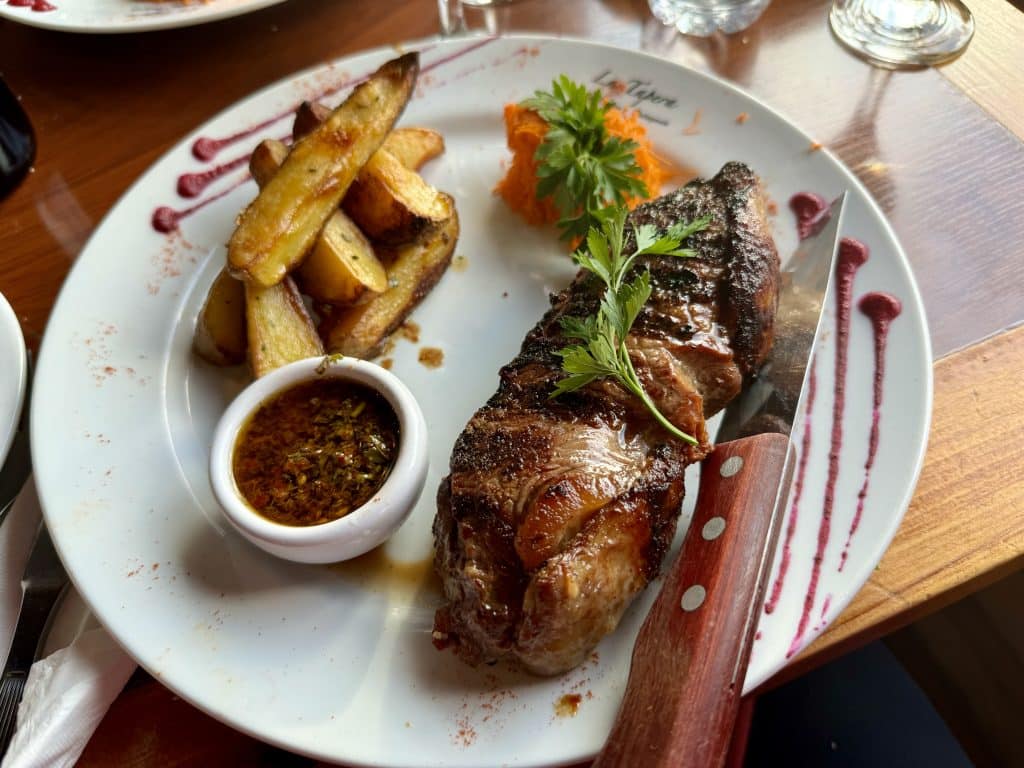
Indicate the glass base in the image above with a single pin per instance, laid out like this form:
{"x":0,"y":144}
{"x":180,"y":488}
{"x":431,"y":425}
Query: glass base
{"x":702,"y":18}
{"x":903,"y":33}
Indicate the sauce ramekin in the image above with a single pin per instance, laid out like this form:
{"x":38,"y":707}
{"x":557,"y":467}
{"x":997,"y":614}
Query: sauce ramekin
{"x":360,"y":530}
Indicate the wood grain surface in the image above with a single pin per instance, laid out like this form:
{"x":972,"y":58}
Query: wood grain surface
{"x":939,"y":149}
{"x":994,"y":58}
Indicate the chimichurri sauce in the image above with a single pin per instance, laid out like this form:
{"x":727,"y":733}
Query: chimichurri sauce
{"x":316,"y":452}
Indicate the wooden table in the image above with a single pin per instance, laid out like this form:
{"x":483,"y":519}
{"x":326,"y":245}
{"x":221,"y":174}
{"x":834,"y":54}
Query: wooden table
{"x":941,"y":150}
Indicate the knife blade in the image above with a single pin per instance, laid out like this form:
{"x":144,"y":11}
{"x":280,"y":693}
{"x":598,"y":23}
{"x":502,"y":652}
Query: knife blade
{"x":691,"y":654}
{"x":42,"y":584}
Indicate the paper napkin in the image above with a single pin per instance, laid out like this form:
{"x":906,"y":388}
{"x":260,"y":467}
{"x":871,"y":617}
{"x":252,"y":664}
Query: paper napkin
{"x":68,"y":691}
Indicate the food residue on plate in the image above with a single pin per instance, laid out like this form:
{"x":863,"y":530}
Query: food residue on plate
{"x":380,"y":572}
{"x":316,"y":452}
{"x":460,"y":263}
{"x":568,"y":704}
{"x":410,"y":330}
{"x":742,"y":117}
{"x":386,"y":363}
{"x":431,"y":357}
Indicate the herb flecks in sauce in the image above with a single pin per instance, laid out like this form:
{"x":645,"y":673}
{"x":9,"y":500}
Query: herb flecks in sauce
{"x":316,"y":452}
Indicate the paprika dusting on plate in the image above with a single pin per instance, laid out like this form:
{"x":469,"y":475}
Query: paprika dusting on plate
{"x":316,"y":452}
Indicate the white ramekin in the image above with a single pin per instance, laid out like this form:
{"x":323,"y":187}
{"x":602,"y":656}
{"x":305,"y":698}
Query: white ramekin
{"x":362,"y":529}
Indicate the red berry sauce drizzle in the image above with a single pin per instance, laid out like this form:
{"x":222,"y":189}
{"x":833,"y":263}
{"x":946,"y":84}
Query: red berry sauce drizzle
{"x":824,"y":610}
{"x":205,"y":149}
{"x":881,"y":309}
{"x":798,"y":488}
{"x":812,"y":213}
{"x":40,"y":6}
{"x":852,"y":255}
{"x":165,"y":220}
{"x":193,"y":184}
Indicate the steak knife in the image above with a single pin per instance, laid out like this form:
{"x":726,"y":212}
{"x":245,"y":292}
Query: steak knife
{"x":691,"y":654}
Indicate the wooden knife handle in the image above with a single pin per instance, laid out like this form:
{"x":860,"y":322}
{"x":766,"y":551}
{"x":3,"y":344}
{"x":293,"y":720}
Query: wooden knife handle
{"x":691,"y":654}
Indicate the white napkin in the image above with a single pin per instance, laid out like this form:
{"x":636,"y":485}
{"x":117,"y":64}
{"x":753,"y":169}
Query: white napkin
{"x":68,"y":691}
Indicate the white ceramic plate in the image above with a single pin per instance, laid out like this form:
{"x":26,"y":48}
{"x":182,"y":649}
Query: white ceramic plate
{"x":106,"y":16}
{"x":336,"y":662}
{"x":12,"y":382}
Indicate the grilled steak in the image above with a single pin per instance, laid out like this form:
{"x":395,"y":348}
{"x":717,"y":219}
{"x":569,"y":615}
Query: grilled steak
{"x":557,"y":512}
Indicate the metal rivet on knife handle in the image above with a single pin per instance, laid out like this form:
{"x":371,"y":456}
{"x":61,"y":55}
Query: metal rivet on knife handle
{"x":693,"y":598}
{"x":731,"y":466}
{"x":713,"y":528}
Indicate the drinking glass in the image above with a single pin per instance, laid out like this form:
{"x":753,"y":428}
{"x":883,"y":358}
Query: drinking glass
{"x":703,"y":18}
{"x":466,"y":16}
{"x":903,"y":33}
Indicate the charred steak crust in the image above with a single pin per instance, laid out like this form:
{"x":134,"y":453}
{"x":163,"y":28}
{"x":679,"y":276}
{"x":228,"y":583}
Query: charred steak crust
{"x":557,"y":512}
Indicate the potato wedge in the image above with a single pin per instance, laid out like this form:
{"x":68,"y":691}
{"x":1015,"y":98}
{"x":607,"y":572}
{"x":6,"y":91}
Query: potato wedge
{"x":220,"y":336}
{"x":280,"y":328}
{"x":342,"y":267}
{"x":388,"y":201}
{"x":266,"y":159}
{"x":392,"y":204}
{"x":307,"y":117}
{"x":361,"y":331}
{"x":277,"y":229}
{"x":414,"y":146}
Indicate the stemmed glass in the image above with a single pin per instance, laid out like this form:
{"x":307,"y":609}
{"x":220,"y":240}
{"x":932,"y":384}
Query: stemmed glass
{"x":903,"y":33}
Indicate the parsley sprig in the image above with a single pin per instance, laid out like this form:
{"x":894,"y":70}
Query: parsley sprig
{"x":579,"y":166}
{"x":601,"y":351}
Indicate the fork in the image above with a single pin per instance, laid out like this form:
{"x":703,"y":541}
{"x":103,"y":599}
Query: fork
{"x":43,"y":583}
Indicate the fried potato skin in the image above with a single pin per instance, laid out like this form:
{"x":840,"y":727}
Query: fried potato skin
{"x":392,"y":203}
{"x":265,"y":159}
{"x":342,"y":268}
{"x":307,"y":117}
{"x":279,"y":227}
{"x":388,"y":201}
{"x":280,"y":328}
{"x":362,"y":331}
{"x":220,"y":337}
{"x":412,"y":145}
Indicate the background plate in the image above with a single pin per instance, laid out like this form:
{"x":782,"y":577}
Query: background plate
{"x":105,"y":16}
{"x":12,"y":383}
{"x":336,"y":662}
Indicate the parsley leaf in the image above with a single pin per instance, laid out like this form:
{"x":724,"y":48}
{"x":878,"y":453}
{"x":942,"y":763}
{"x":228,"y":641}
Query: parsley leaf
{"x":579,"y":166}
{"x":601,"y":351}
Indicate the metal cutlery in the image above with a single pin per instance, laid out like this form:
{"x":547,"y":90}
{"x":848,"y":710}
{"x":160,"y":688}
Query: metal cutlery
{"x":42,"y":584}
{"x":691,"y":655}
